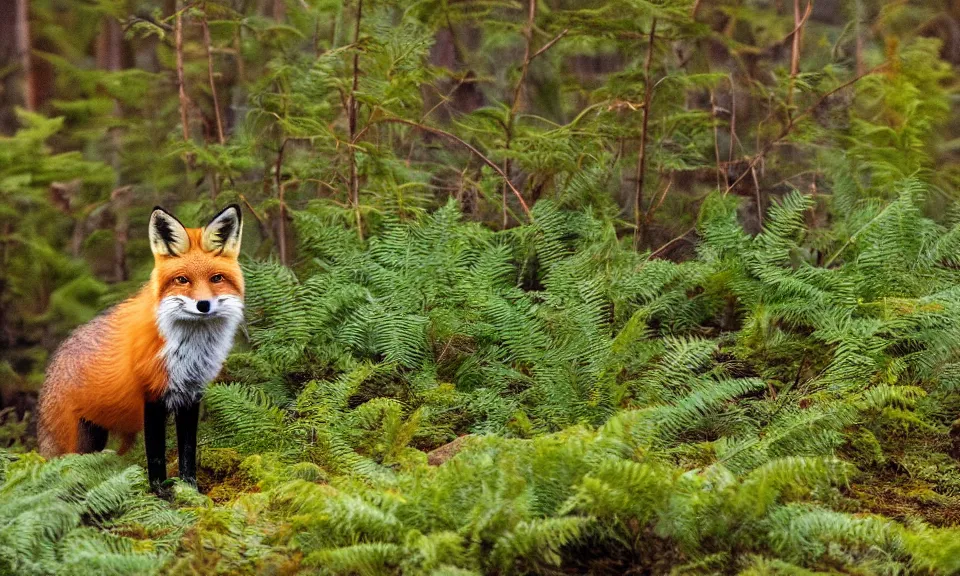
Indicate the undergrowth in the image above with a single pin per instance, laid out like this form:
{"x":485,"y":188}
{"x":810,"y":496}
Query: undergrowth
{"x":733,"y":413}
{"x":724,"y":339}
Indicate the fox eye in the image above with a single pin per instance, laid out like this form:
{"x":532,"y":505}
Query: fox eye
{"x":216,"y":278}
{"x":182,"y":280}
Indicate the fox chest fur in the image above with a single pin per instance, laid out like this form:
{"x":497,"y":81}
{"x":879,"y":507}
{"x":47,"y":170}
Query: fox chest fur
{"x":193,"y":352}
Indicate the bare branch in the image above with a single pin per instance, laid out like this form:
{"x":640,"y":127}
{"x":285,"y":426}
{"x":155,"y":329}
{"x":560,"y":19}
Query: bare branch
{"x":795,"y":120}
{"x":797,"y":33}
{"x":550,"y":44}
{"x":671,"y":243}
{"x":213,"y":85}
{"x":468,"y":146}
{"x":639,"y":232}
{"x":281,"y":232}
{"x":528,"y":34}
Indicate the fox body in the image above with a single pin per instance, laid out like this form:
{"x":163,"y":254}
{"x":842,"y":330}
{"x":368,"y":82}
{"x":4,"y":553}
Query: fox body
{"x":152,"y":354}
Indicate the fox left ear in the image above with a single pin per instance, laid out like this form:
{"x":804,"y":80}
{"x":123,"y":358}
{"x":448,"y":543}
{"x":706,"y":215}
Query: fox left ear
{"x":167,"y":235}
{"x":222,"y":234}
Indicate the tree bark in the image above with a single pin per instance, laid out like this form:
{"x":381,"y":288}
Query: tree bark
{"x":121,"y":199}
{"x":111,"y":57}
{"x":352,"y":123}
{"x":23,"y":51}
{"x":18,"y":88}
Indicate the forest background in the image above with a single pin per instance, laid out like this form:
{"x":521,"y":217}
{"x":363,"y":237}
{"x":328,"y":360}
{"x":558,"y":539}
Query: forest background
{"x":558,"y":286}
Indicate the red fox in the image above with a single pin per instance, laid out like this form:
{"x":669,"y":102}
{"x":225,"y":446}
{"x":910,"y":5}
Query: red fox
{"x":152,"y":354}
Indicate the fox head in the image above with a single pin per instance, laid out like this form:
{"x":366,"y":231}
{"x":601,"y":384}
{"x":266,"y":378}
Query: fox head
{"x":196,"y":276}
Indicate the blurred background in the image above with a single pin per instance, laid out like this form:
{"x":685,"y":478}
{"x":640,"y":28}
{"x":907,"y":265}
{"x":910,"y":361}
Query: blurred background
{"x":371,"y":112}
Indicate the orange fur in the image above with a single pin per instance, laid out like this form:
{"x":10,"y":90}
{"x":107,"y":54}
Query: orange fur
{"x":110,"y":366}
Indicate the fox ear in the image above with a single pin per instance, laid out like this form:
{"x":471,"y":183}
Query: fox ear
{"x":222,"y":234}
{"x":168,"y":237}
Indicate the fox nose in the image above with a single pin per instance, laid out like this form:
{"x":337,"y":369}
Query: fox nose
{"x":203,"y":306}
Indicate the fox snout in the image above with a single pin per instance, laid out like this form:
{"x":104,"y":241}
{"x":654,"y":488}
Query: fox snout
{"x":200,"y":306}
{"x":211,"y":306}
{"x":187,"y":309}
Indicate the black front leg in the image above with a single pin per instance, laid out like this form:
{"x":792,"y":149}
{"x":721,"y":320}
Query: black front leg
{"x":187,"y":418}
{"x":155,"y":439}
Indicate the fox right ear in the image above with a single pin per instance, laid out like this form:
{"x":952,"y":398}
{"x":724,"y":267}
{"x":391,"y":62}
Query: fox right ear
{"x":168,"y":237}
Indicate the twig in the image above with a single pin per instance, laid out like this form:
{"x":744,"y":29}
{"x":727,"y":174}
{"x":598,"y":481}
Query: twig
{"x":853,"y":237}
{"x":444,"y":99}
{"x":653,"y":209}
{"x":798,"y":22}
{"x":756,"y":184}
{"x":549,"y":44}
{"x":639,"y":232}
{"x":716,"y":138}
{"x":671,"y":243}
{"x":468,"y":146}
{"x":696,"y":7}
{"x":733,"y":120}
{"x":795,"y":120}
{"x":213,"y":85}
{"x":281,"y":232}
{"x":518,"y":90}
{"x":252,"y":210}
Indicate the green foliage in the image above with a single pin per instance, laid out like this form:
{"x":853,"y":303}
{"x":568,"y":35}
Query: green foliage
{"x":710,"y":326}
{"x":82,"y":514}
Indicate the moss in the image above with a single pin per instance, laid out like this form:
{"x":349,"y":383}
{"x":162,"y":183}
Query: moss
{"x":906,"y":501}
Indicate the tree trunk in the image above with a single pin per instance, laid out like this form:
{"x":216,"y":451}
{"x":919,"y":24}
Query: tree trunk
{"x":121,"y":199}
{"x":111,"y":57}
{"x":22,"y":17}
{"x":110,"y":45}
{"x":17,"y":88}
